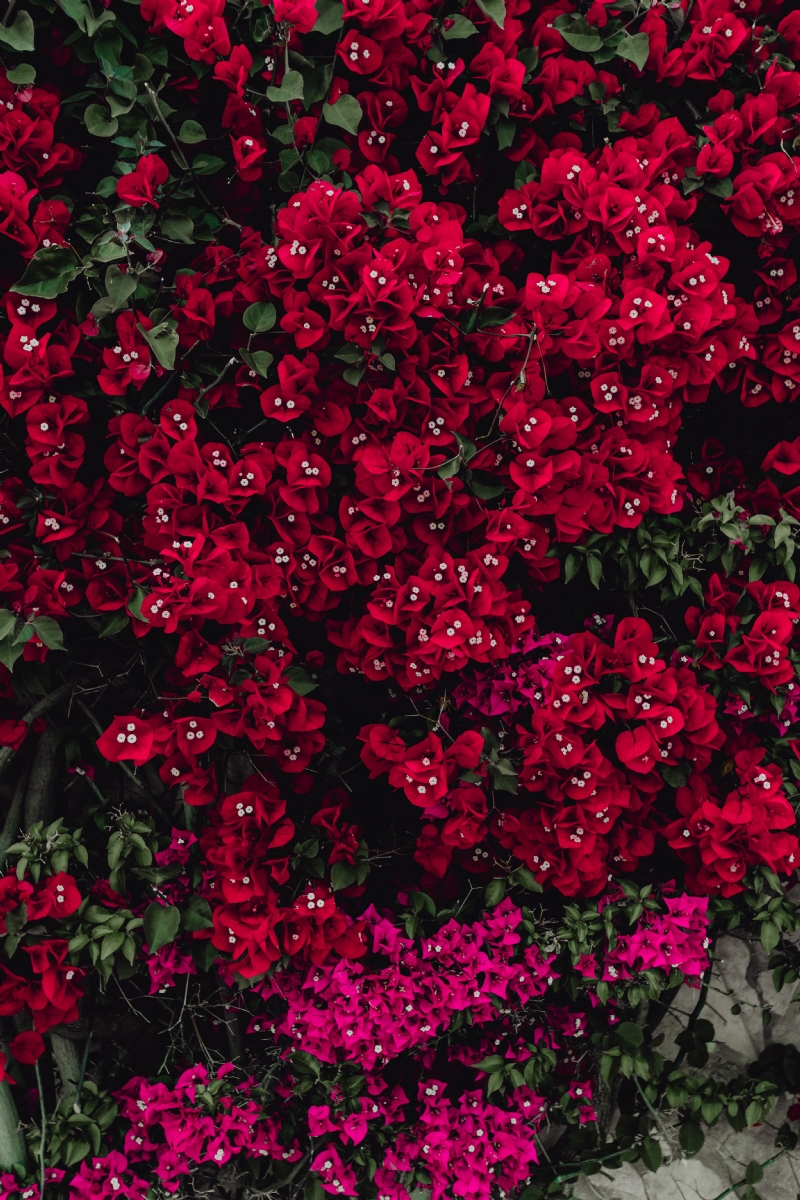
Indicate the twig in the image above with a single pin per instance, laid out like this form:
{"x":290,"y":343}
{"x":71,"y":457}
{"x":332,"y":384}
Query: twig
{"x":84,"y":1063}
{"x":44,"y":1128}
{"x":215,"y":381}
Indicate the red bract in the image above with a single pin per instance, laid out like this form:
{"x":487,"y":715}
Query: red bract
{"x":140,"y":186}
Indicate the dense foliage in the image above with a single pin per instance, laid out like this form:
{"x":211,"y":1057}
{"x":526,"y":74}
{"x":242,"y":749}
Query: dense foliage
{"x":399,"y":506}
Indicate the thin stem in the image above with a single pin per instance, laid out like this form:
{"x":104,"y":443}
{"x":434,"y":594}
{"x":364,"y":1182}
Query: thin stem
{"x":176,"y":148}
{"x":44,"y":1128}
{"x":84,"y":1063}
{"x":216,"y":380}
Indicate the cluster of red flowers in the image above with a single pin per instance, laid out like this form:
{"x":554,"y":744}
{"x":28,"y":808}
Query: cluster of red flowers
{"x":50,"y":995}
{"x":246,"y":830}
{"x":595,"y":812}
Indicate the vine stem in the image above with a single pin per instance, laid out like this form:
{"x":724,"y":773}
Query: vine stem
{"x":84,"y":1064}
{"x":44,"y":1128}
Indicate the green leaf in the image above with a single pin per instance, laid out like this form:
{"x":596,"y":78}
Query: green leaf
{"x":485,"y":491}
{"x":495,"y":1062}
{"x":191,"y":132}
{"x":754,"y":1172}
{"x":578,"y":33}
{"x":594,"y":566}
{"x":161,"y":925}
{"x":460,"y":28}
{"x":770,"y":936}
{"x":49,"y":632}
{"x":111,"y":943}
{"x":207,"y":164}
{"x":346,"y":113}
{"x":7,"y":622}
{"x":113,"y":622}
{"x":330,"y":16}
{"x":630,"y":1035}
{"x":506,"y":131}
{"x":724,"y":189}
{"x":24,"y":73}
{"x":18,"y":36}
{"x":651,"y":1153}
{"x":163,"y":341}
{"x":636,"y":48}
{"x":120,"y":287}
{"x":300,"y":681}
{"x":291,"y":89}
{"x":342,"y":875}
{"x":197,"y":914}
{"x":259,"y":317}
{"x":495,"y":892}
{"x":49,"y":273}
{"x":177,"y":227}
{"x":495,"y":10}
{"x":526,"y":879}
{"x":98,"y":121}
{"x":257,"y":360}
{"x":691,"y":1138}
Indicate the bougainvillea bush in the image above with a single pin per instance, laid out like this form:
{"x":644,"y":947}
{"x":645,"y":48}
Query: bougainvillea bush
{"x":399,"y":503}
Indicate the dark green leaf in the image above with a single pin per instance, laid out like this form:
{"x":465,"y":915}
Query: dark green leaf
{"x":207,"y":164}
{"x":49,"y":273}
{"x":461,"y":27}
{"x":495,"y":10}
{"x":651,"y":1153}
{"x":636,"y":48}
{"x":177,"y":227}
{"x":161,"y":925}
{"x":330,"y":16}
{"x":49,"y":632}
{"x":259,"y":317}
{"x":196,"y":915}
{"x":99,"y":121}
{"x":191,"y":131}
{"x":691,"y":1138}
{"x":724,"y":189}
{"x":342,"y":875}
{"x":257,"y":360}
{"x":578,"y":33}
{"x":300,"y":681}
{"x":18,"y":36}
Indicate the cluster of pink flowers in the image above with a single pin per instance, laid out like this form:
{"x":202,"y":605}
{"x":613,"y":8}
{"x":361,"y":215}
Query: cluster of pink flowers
{"x":345,"y":1011}
{"x":196,"y":1121}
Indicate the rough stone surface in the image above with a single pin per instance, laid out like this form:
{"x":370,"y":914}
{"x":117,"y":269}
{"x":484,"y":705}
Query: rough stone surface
{"x":740,"y":976}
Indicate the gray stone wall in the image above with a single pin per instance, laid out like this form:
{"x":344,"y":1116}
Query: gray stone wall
{"x":740,"y":978}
